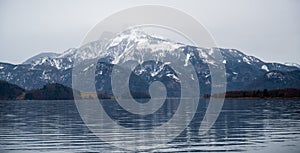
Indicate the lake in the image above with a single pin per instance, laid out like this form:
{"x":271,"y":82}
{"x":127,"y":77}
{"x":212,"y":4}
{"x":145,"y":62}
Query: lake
{"x":253,"y":125}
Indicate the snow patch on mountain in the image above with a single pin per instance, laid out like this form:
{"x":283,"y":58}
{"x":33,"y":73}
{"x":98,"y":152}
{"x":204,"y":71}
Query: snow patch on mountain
{"x":173,"y":77}
{"x":163,"y":46}
{"x":245,"y":59}
{"x":275,"y":75}
{"x":265,"y":67}
{"x":87,"y":68}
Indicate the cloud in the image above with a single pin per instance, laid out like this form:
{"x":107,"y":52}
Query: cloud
{"x":258,"y":28}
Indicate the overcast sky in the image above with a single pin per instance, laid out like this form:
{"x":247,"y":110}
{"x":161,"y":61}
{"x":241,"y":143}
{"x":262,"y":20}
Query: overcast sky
{"x":267,"y":29}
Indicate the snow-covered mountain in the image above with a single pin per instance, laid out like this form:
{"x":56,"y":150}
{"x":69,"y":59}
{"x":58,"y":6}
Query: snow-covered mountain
{"x":243,"y":72}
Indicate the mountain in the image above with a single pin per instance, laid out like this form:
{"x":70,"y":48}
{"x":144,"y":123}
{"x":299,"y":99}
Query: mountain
{"x":35,"y":76}
{"x":243,"y":72}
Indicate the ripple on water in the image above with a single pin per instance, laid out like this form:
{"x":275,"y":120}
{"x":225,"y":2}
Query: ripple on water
{"x":243,"y":126}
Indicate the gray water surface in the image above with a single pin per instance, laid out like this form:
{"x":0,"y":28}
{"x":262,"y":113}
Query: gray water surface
{"x":243,"y":126}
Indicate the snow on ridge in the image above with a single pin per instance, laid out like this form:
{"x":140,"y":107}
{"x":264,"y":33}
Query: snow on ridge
{"x":292,"y":64}
{"x":66,"y":53}
{"x":254,"y":59}
{"x":132,"y":35}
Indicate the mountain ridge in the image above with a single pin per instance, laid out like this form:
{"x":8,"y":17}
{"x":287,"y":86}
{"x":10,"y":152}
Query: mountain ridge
{"x":243,"y":72}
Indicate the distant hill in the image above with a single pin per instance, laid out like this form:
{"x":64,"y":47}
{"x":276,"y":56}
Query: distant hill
{"x":10,"y":91}
{"x":278,"y":93}
{"x":57,"y":91}
{"x":52,"y":91}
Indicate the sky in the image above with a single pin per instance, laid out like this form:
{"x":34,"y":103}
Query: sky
{"x":267,"y":29}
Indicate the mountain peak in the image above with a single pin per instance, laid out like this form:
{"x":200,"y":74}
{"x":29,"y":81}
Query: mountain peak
{"x":132,"y":35}
{"x":136,"y":39}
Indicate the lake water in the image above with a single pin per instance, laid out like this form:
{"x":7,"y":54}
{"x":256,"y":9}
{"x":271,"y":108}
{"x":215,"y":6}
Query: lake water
{"x":243,"y":126}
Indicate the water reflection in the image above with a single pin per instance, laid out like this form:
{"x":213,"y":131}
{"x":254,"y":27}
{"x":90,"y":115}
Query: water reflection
{"x":243,"y":125}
